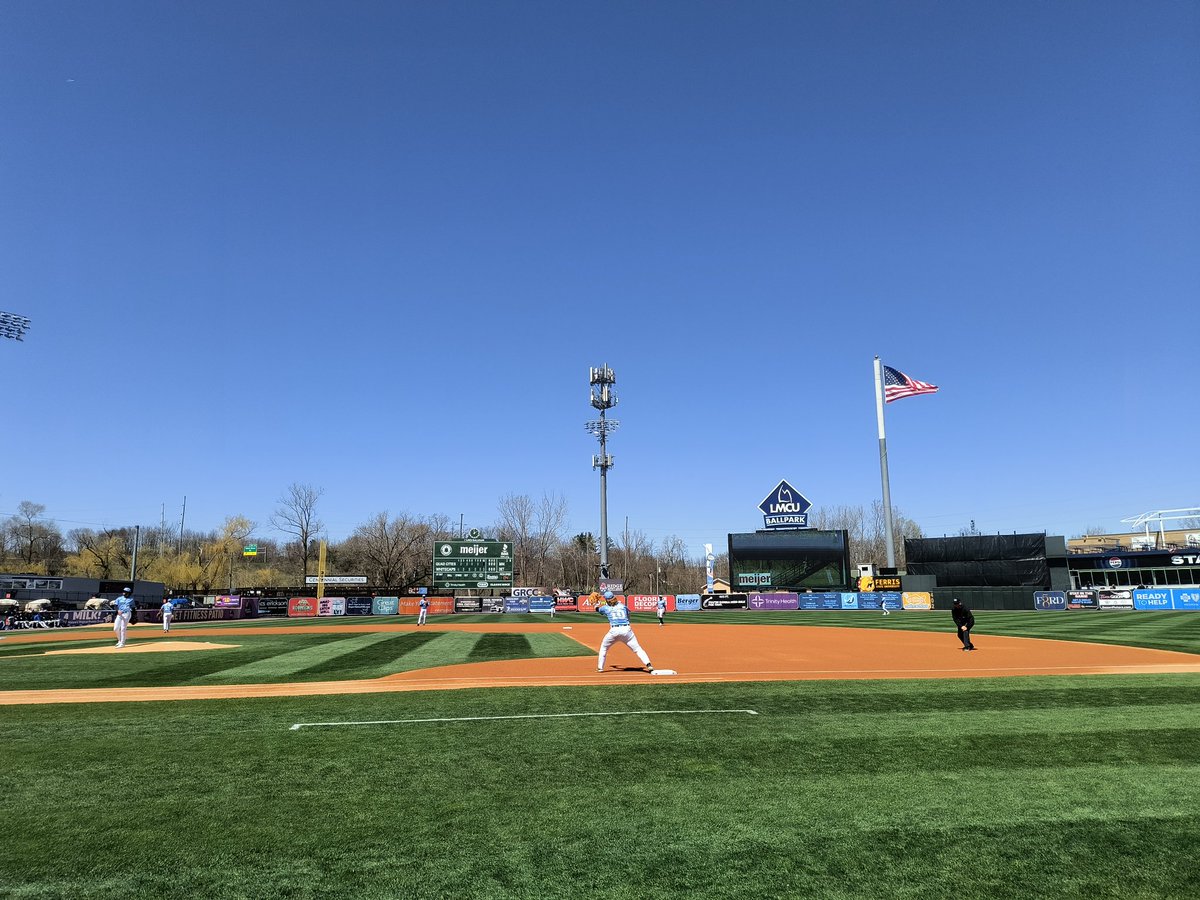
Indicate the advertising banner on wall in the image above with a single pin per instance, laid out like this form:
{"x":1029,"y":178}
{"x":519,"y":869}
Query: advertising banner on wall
{"x":1185,"y":598}
{"x":541,"y":604}
{"x":331,"y":606}
{"x":302,"y":607}
{"x":687,"y":602}
{"x":567,"y":604}
{"x":1114,"y":599}
{"x":85,"y":617}
{"x":468,"y":605}
{"x":358,"y":606}
{"x":1049,"y":600}
{"x":516,"y":604}
{"x":585,"y":603}
{"x":642,"y":602}
{"x":385,"y":606}
{"x":273,"y":606}
{"x":1081,"y":600}
{"x":775,"y":600}
{"x":870,"y":600}
{"x":916,"y":600}
{"x":492,"y":604}
{"x":228,"y":602}
{"x":820,"y":600}
{"x":849,"y":601}
{"x":1152,"y":598}
{"x":721,"y":601}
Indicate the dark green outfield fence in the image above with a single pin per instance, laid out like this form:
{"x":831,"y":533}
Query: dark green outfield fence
{"x":985,"y":597}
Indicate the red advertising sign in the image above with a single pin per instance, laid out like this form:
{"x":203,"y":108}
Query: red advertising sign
{"x":566,"y":604}
{"x":642,"y":602}
{"x":302,"y":606}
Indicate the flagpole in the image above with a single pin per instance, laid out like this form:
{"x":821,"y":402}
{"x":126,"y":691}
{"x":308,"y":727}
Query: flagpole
{"x":883,"y":466}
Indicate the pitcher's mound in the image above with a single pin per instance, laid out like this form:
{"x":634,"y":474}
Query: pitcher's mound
{"x":147,"y":647}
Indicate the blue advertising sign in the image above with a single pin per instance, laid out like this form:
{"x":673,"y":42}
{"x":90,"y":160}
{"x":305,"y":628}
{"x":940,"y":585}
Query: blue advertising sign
{"x":687,"y":602}
{"x":785,"y":507}
{"x":516,"y":604}
{"x":1044,"y":600}
{"x":821,"y":600}
{"x":540,"y":604}
{"x":1185,"y":598}
{"x":385,"y":606}
{"x":1156,"y":598}
{"x":849,"y":601}
{"x":870,"y":600}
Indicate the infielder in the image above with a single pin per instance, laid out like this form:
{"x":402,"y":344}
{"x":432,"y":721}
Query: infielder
{"x":125,"y":606}
{"x":424,"y":611}
{"x":662,"y":608}
{"x":619,"y":629}
{"x":168,"y":610}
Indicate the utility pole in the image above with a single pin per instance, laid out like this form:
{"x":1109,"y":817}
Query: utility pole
{"x":603,"y":397}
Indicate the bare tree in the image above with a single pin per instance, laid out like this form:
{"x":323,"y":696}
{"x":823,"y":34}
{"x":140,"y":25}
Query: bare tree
{"x":516,"y":525}
{"x":390,"y":550}
{"x":297,"y":516}
{"x":34,"y":540}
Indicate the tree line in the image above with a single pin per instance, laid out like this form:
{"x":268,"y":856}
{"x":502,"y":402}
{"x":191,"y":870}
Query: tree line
{"x":394,"y":551}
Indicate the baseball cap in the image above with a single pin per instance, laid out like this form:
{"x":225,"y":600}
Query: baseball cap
{"x":126,"y":590}
{"x":608,"y":595}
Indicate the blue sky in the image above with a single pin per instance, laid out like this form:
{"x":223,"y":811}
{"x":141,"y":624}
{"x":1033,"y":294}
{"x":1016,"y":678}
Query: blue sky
{"x":375,"y":247}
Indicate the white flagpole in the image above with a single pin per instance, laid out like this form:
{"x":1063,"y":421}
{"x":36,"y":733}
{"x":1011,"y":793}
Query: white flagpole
{"x":883,"y":466}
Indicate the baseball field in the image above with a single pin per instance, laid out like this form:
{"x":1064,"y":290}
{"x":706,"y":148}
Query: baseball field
{"x":794,"y":755}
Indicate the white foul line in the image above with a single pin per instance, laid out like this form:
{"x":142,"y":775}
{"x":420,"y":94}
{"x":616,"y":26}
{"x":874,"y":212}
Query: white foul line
{"x":641,"y":712}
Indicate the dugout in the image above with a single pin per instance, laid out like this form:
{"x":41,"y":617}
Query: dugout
{"x":798,"y":560}
{"x":985,"y":571}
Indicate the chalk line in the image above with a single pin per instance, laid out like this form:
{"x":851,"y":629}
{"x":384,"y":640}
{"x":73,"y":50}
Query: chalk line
{"x":632,"y":712}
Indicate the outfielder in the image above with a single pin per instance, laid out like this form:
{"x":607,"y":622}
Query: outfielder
{"x":662,"y":608}
{"x":125,"y":606}
{"x":168,"y":610}
{"x":424,"y":610}
{"x":619,"y":629}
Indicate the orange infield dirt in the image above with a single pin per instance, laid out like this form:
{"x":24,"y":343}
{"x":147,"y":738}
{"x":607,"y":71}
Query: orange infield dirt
{"x":699,"y":653}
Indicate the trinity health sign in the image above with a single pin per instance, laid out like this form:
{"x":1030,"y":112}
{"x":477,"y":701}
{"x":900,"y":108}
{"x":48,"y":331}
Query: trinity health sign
{"x":785,"y":507}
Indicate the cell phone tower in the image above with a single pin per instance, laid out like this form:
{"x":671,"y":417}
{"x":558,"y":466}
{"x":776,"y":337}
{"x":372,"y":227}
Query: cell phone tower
{"x":604,"y":397}
{"x":13,"y":326}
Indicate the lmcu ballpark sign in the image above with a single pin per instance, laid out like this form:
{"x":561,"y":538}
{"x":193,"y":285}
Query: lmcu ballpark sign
{"x":785,"y":507}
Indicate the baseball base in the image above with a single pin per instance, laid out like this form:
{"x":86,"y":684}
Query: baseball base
{"x":664,"y":672}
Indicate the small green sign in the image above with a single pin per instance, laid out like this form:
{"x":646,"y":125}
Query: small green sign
{"x":250,"y":550}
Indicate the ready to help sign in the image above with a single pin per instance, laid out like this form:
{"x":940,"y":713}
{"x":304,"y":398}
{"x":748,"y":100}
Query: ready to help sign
{"x":785,"y":507}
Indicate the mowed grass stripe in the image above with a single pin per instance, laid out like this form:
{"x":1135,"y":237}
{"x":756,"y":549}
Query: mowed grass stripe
{"x":281,"y":665}
{"x":379,"y":658}
{"x":501,"y":646}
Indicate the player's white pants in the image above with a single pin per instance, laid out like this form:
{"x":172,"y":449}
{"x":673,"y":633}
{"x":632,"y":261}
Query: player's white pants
{"x":421,"y":617}
{"x":120,"y":623}
{"x":625,"y":634}
{"x":166,"y":623}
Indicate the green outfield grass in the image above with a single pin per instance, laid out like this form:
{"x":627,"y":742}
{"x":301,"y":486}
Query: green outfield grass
{"x":1082,"y":786}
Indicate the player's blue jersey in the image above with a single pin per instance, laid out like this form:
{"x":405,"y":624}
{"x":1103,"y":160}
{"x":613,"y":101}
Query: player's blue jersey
{"x":662,"y":603}
{"x":124,"y":605}
{"x":168,"y":608}
{"x":616,"y":613}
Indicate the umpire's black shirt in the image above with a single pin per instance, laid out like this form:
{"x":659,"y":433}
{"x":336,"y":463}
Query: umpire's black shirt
{"x":962,"y":615}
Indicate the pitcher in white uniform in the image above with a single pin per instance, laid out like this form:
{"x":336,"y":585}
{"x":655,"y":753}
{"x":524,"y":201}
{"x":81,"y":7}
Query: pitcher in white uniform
{"x":168,"y":610}
{"x":619,"y":629}
{"x":424,"y":607}
{"x":124,"y":614}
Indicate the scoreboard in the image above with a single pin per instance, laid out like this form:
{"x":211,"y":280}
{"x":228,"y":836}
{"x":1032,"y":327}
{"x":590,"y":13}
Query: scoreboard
{"x":472,"y":564}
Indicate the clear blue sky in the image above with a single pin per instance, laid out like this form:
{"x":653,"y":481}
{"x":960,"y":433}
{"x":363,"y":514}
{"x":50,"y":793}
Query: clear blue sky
{"x":375,"y":247}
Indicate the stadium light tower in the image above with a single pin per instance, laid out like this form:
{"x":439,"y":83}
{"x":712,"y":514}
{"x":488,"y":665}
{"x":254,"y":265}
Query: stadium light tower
{"x":13,"y":326}
{"x":604,"y":398}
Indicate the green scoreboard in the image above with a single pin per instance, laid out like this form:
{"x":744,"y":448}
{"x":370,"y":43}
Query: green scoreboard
{"x":472,"y":564}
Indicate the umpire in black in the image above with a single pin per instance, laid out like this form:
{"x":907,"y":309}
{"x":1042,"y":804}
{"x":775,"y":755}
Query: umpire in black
{"x":965,"y":621}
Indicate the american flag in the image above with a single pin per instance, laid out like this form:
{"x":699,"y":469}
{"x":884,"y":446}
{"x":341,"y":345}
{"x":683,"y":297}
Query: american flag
{"x":897,"y":385}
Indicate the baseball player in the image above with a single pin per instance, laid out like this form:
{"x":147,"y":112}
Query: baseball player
{"x":424,"y":610}
{"x":125,"y":607}
{"x":883,"y":603}
{"x":619,"y":629}
{"x":168,"y":610}
{"x":662,"y":608}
